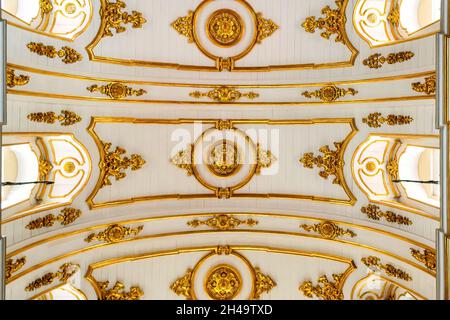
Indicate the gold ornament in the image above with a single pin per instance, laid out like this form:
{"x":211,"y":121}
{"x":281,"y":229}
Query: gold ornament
{"x":392,"y":169}
{"x":225,"y":27}
{"x":428,"y":87}
{"x":375,"y":263}
{"x":263,"y":283}
{"x":12,"y":80}
{"x":45,"y":6}
{"x":376,"y":61}
{"x":182,"y":286}
{"x":67,"y":216}
{"x":264,"y":160}
{"x":113,"y":18}
{"x":394,"y":16}
{"x":114,"y":233}
{"x":328,"y":230}
{"x":325,"y":289}
{"x":375,"y":120}
{"x":329,"y":93}
{"x":113,"y":164}
{"x":223,"y":160}
{"x":224,"y":94}
{"x":373,"y":212}
{"x":117,"y":292}
{"x":66,"y":118}
{"x":116,"y":90}
{"x":184,"y":26}
{"x":222,"y":222}
{"x":223,"y":282}
{"x":265,"y":27}
{"x":12,"y":267}
{"x":67,"y":54}
{"x":183,"y":160}
{"x":44,"y":168}
{"x":65,"y":272}
{"x":428,"y":258}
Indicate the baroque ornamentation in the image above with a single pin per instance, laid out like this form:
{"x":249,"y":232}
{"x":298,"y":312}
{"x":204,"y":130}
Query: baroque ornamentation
{"x":428,"y":87}
{"x":12,"y":80}
{"x":66,"y":118}
{"x":183,"y":160}
{"x":373,"y":212}
{"x":394,"y":16}
{"x":224,"y":94}
{"x":376,"y":61}
{"x":113,"y":18}
{"x":329,"y":93}
{"x":265,"y":27}
{"x":225,"y":27}
{"x":328,"y":230}
{"x":116,"y":90}
{"x":264,"y":160}
{"x":332,"y":24}
{"x":44,"y":168}
{"x":114,"y":233}
{"x":118,"y":292}
{"x":392,"y":169}
{"x":331,"y":162}
{"x":428,"y":258}
{"x":66,"y":217}
{"x":65,"y":272}
{"x":14,"y":266}
{"x":182,"y":286}
{"x":263,"y":283}
{"x":223,"y":282}
{"x":113,"y":164}
{"x":375,"y":120}
{"x":45,"y":6}
{"x":67,"y":54}
{"x":224,"y":158}
{"x":375,"y":263}
{"x":184,"y":26}
{"x":325,"y":289}
{"x":222,"y":222}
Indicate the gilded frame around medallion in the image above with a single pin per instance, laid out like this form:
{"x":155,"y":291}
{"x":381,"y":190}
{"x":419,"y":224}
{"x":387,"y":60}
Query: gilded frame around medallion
{"x":154,"y":64}
{"x":214,"y":122}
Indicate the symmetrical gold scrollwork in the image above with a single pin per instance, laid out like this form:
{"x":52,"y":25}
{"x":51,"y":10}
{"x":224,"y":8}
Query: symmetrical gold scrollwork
{"x":264,"y":159}
{"x":66,"y":217}
{"x":328,"y":230}
{"x":184,"y":26}
{"x":182,"y":286}
{"x":329,"y":93}
{"x":373,"y":212}
{"x":66,"y":118}
{"x":183,"y":160}
{"x":389,"y":269}
{"x":116,"y":90}
{"x":222,"y":222}
{"x":263,"y":283}
{"x":113,"y":18}
{"x":114,"y":233}
{"x":14,"y":266}
{"x":12,"y":80}
{"x":44,"y":167}
{"x":117,"y":292}
{"x":376,"y":120}
{"x":325,"y":289}
{"x":392,"y":168}
{"x":68,"y":55}
{"x":428,"y":87}
{"x":394,"y":15}
{"x":428,"y":258}
{"x":265,"y":27}
{"x":376,"y":60}
{"x":65,"y":272}
{"x":224,"y":94}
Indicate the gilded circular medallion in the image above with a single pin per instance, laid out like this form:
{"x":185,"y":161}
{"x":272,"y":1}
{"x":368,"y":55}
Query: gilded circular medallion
{"x":117,"y":90}
{"x":328,"y":230}
{"x":223,"y":282}
{"x":115,"y":233}
{"x":225,"y":27}
{"x":69,"y":167}
{"x":223,"y":158}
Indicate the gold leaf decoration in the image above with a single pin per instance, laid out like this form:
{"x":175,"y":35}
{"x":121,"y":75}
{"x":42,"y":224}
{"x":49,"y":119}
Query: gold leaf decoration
{"x":45,"y":6}
{"x":12,"y":80}
{"x":375,"y":120}
{"x":376,"y":61}
{"x":113,"y":18}
{"x":325,"y":289}
{"x":332,"y":24}
{"x":224,"y":94}
{"x":328,"y":230}
{"x":428,"y":258}
{"x":224,"y":125}
{"x":184,"y":26}
{"x":375,"y":263}
{"x":392,"y":169}
{"x":263,"y":283}
{"x":373,"y":212}
{"x":264,"y":160}
{"x":182,"y":286}
{"x":44,"y":168}
{"x":183,"y":160}
{"x":66,"y":118}
{"x":428,"y":87}
{"x":331,"y":162}
{"x":394,"y":16}
{"x":14,"y":266}
{"x":116,"y":90}
{"x":114,"y":233}
{"x":66,"y":217}
{"x":265,"y":27}
{"x":117,"y":292}
{"x":329,"y":93}
{"x":222,"y":222}
{"x":223,"y":282}
{"x":68,"y":55}
{"x":113,"y":164}
{"x":65,"y":272}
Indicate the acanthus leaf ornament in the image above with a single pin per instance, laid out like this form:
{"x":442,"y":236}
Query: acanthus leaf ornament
{"x":182,"y":286}
{"x":68,"y":55}
{"x":376,"y":60}
{"x":328,"y":230}
{"x":45,"y":6}
{"x":394,"y":16}
{"x":184,"y":26}
{"x":13,"y":80}
{"x":113,"y":18}
{"x":374,"y":263}
{"x":183,"y":160}
{"x":222,"y":222}
{"x":116,"y":90}
{"x":325,"y":289}
{"x":114,"y":233}
{"x":118,"y":292}
{"x":66,"y":217}
{"x":44,"y":168}
{"x":264,"y":159}
{"x":427,"y":257}
{"x":265,"y":27}
{"x":65,"y":272}
{"x":14,"y":266}
{"x":329,"y":93}
{"x":373,"y":212}
{"x":428,"y":87}
{"x":376,"y":120}
{"x":392,"y":169}
{"x":66,"y":118}
{"x":224,"y":94}
{"x":263,"y":283}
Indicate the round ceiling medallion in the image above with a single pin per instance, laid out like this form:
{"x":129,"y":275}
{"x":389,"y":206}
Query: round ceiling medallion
{"x":223,"y":158}
{"x":223,"y":282}
{"x":225,"y":27}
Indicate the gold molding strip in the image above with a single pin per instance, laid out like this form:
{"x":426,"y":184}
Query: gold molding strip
{"x":14,"y":266}
{"x":117,"y":292}
{"x":68,"y":55}
{"x":428,"y":87}
{"x":376,"y":120}
{"x":373,"y":212}
{"x":222,"y":222}
{"x":329,"y":93}
{"x":389,"y":269}
{"x":66,"y":217}
{"x":224,"y":94}
{"x":376,"y":61}
{"x":428,"y":258}
{"x":12,"y":80}
{"x":328,"y":230}
{"x":65,"y":272}
{"x":325,"y":289}
{"x":66,"y":118}
{"x":114,"y":233}
{"x":116,"y":90}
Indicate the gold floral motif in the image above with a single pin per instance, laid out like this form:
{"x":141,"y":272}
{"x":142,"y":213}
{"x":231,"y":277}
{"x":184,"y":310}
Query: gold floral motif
{"x":373,"y":212}
{"x":44,"y":168}
{"x":65,"y":272}
{"x":264,"y":159}
{"x":428,"y":87}
{"x":67,"y":216}
{"x":392,"y":169}
{"x":263,"y":283}
{"x":116,"y":90}
{"x":113,"y":163}
{"x":183,"y":160}
{"x":428,"y":258}
{"x":331,"y":162}
{"x":329,"y":93}
{"x":117,"y":292}
{"x":328,"y":230}
{"x":113,"y":18}
{"x":376,"y":61}
{"x":222,"y":222}
{"x":182,"y":286}
{"x":184,"y":26}
{"x":375,"y":120}
{"x":223,"y":159}
{"x":390,"y":270}
{"x":223,"y":282}
{"x":394,"y":16}
{"x":225,"y":27}
{"x":12,"y":80}
{"x":45,"y":6}
{"x":224,"y":94}
{"x":265,"y":27}
{"x":12,"y":267}
{"x":67,"y":54}
{"x":114,"y":233}
{"x":325,"y":289}
{"x":66,"y":118}
{"x":333,"y":23}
